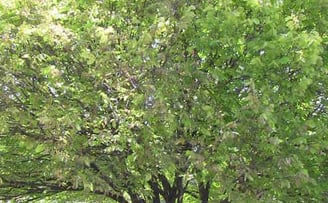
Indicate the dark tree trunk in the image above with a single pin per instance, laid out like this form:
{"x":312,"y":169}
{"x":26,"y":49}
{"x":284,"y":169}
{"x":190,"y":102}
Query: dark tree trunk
{"x":179,"y":188}
{"x":204,"y":191}
{"x":167,"y":190}
{"x":174,"y":193}
{"x":136,"y":199}
{"x":156,"y":190}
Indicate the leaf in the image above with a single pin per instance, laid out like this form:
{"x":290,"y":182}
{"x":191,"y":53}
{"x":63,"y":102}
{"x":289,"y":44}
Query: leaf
{"x":88,"y":56}
{"x":284,"y":60}
{"x":105,"y":98}
{"x":249,"y":177}
{"x":275,"y":140}
{"x":300,"y":140}
{"x":285,"y":183}
{"x":78,"y":127}
{"x":256,"y":21}
{"x":39,"y":148}
{"x":187,"y":18}
{"x":91,"y":187}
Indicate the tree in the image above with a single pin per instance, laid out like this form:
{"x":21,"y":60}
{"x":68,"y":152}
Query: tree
{"x":181,"y":101}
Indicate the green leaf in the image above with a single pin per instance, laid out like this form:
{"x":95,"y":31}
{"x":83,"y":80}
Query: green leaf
{"x":88,"y":56}
{"x":39,"y":148}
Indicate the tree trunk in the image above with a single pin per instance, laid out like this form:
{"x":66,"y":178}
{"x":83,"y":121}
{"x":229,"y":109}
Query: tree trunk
{"x":179,"y":188}
{"x":174,"y":193}
{"x":156,"y":190}
{"x":204,"y":191}
{"x":135,"y":198}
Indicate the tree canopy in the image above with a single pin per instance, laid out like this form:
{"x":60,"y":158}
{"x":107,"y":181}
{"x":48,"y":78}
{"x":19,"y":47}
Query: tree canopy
{"x":164,"y":100}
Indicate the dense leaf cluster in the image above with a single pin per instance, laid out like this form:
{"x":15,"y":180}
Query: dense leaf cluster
{"x":164,"y":100}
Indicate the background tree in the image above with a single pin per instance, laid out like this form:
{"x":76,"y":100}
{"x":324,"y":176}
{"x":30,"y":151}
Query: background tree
{"x":181,"y":101}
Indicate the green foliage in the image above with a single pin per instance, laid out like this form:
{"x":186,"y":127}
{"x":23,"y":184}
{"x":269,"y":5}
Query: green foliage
{"x":175,"y":101}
